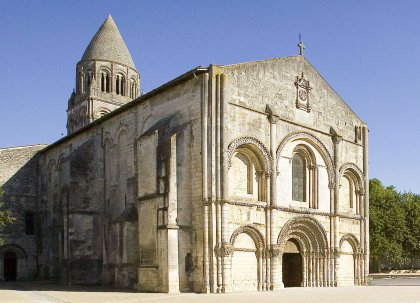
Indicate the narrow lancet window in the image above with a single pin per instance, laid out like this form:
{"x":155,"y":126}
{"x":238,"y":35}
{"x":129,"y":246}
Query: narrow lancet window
{"x":298,"y":178}
{"x":117,"y":85}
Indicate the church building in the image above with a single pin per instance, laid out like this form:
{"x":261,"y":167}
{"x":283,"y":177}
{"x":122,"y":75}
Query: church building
{"x":242,"y":177}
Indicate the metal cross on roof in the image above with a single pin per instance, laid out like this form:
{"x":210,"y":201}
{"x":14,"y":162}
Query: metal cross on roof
{"x":301,"y":45}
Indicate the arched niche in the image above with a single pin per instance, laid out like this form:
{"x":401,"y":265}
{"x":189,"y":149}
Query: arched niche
{"x":246,"y":258}
{"x":351,"y":190}
{"x":349,"y":261}
{"x":249,"y":170}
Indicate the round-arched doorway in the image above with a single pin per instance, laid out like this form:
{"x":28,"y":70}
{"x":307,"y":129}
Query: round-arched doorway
{"x":10,"y":266}
{"x":292,"y":264}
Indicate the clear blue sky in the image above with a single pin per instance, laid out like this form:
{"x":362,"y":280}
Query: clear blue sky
{"x":367,"y":50}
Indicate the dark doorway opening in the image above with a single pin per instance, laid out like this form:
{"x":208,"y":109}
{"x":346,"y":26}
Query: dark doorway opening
{"x":292,"y":265}
{"x":292,"y":270}
{"x":10,"y":266}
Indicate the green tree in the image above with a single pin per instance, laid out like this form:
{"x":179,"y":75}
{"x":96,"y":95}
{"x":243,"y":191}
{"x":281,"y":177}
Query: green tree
{"x":386,"y":223}
{"x":411,"y":244}
{"x":5,"y":215}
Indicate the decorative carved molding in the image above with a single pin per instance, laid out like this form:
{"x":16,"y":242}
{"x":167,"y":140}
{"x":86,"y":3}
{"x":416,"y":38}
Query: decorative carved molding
{"x":275,"y":250}
{"x":308,"y":229}
{"x":302,"y":93}
{"x":352,"y":239}
{"x":251,"y":203}
{"x":356,"y":171}
{"x":316,"y":143}
{"x":226,"y":249}
{"x":233,"y":146}
{"x":251,"y":231}
{"x":305,"y":211}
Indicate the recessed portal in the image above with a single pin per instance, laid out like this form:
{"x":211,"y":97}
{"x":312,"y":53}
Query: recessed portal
{"x":292,"y":264}
{"x":10,"y":266}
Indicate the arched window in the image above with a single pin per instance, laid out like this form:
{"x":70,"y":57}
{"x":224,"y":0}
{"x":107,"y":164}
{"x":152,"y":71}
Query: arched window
{"x":80,"y":83}
{"x":248,"y":175}
{"x":123,"y":86}
{"x":105,"y":82}
{"x":88,"y":80}
{"x":117,"y":85}
{"x":245,"y":172}
{"x":298,"y":178}
{"x":133,"y":88}
{"x":29,"y":223}
{"x":304,"y":176}
{"x":120,"y":85}
{"x":350,"y":192}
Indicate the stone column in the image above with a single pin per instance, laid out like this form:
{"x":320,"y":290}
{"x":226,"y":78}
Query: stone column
{"x":366,"y":204}
{"x":337,"y":267}
{"x":276,"y":267}
{"x":336,"y":140}
{"x":259,"y":255}
{"x":172,"y":226}
{"x":275,"y":282}
{"x":326,"y":265}
{"x":304,"y":269}
{"x":355,"y":267}
{"x":226,"y":253}
{"x":204,"y":176}
{"x":332,"y":268}
{"x":264,"y":269}
{"x":218,"y":179}
{"x":310,"y":269}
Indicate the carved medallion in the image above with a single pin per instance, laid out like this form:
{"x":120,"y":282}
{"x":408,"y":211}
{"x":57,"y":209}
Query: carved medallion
{"x":302,"y":93}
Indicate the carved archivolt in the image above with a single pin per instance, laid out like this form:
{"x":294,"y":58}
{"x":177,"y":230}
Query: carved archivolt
{"x":251,"y":231}
{"x":102,"y":111}
{"x":107,"y":137}
{"x":51,"y":165}
{"x":19,"y":251}
{"x":316,"y":143}
{"x":352,"y":239}
{"x":233,"y":146}
{"x":61,"y":159}
{"x":307,"y":231}
{"x":122,"y":128}
{"x":356,"y":171}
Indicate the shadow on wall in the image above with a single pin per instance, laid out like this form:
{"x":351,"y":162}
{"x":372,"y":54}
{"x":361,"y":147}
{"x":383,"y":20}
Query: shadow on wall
{"x":21,"y":238}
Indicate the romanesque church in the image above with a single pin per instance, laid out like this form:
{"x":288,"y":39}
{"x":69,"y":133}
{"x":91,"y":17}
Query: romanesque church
{"x":250,"y":176}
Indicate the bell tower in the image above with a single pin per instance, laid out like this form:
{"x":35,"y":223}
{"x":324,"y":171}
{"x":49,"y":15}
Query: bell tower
{"x":106,"y":78}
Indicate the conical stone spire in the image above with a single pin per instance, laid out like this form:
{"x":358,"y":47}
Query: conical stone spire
{"x":106,"y":78}
{"x":108,"y":45}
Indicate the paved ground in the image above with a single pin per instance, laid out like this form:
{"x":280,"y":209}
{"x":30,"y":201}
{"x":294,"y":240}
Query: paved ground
{"x":383,"y":291}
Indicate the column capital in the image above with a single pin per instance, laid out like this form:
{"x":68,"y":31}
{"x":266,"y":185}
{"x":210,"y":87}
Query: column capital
{"x":273,"y":119}
{"x":224,"y":250}
{"x":275,"y":250}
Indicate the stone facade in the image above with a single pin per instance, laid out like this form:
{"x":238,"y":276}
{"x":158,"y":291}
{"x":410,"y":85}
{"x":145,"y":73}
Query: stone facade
{"x":18,"y":178}
{"x":242,"y":177}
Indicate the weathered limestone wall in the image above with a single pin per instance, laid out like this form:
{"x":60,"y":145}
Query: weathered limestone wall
{"x":119,"y":193}
{"x":18,"y":177}
{"x":196,"y":187}
{"x":265,"y":93}
{"x":168,"y":146}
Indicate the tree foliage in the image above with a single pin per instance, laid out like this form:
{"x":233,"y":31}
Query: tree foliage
{"x":394,"y":224}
